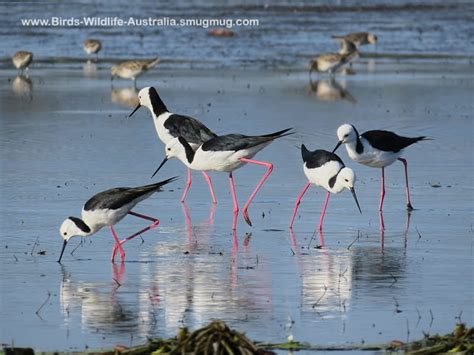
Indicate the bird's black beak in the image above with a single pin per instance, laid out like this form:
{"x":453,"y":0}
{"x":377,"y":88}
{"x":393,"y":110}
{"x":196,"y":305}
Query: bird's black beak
{"x":355,"y":198}
{"x":62,"y":251}
{"x":162,"y":163}
{"x":337,"y":146}
{"x":136,"y":109}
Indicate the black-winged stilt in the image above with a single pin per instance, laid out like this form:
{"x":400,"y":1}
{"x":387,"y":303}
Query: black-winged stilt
{"x":170,"y":125}
{"x":106,"y":209}
{"x":325,"y":169}
{"x":376,"y":149}
{"x":225,"y":153}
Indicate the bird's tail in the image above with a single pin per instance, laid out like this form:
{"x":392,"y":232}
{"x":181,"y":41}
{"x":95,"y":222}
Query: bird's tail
{"x":157,"y":186}
{"x":279,"y":134}
{"x":338,"y":37}
{"x":153,"y":62}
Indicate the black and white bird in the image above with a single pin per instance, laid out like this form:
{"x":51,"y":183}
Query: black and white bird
{"x":224,"y":153}
{"x":106,"y":209}
{"x":325,"y":169}
{"x":170,"y":125}
{"x":376,"y":149}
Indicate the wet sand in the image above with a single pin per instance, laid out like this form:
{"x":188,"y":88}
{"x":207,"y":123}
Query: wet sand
{"x":66,"y":135}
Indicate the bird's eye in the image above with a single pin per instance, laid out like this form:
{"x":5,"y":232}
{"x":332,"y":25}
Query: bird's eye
{"x":346,"y":135}
{"x":346,"y":180}
{"x":65,"y":233}
{"x":169,"y":149}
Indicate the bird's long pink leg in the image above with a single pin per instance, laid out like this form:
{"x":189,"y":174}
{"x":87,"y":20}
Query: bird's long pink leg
{"x":211,"y":189}
{"x":298,"y":201}
{"x":234,"y":200}
{"x":321,"y":218}
{"x":262,"y":180}
{"x":382,"y":190}
{"x":188,"y":185}
{"x":155,"y":223}
{"x":116,"y":245}
{"x":409,"y":206}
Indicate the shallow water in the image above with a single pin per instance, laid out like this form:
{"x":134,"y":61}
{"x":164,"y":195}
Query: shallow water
{"x":67,"y":136}
{"x":287,"y":35}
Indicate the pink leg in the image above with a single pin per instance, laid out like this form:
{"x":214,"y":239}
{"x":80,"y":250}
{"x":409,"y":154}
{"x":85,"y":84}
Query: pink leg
{"x":188,"y":185}
{"x":409,"y":206}
{"x":118,"y":244}
{"x":211,"y":189}
{"x":234,"y":200}
{"x":321,"y":218}
{"x":298,"y":201}
{"x":382,"y":232}
{"x":407,"y":228}
{"x":262,"y":180}
{"x":382,"y":190}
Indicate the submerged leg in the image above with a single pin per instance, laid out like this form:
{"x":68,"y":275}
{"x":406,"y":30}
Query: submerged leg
{"x":298,"y":201}
{"x":234,"y":200}
{"x":188,"y":185}
{"x":262,"y":180}
{"x":382,"y":190}
{"x":409,"y":206}
{"x":321,"y":218}
{"x":211,"y":189}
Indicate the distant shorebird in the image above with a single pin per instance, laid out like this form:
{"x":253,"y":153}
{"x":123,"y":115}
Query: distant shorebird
{"x":358,"y":38}
{"x":376,"y":149}
{"x":331,"y":62}
{"x":133,"y":69}
{"x":325,"y":169}
{"x":106,"y":209}
{"x":92,"y":46}
{"x":224,"y":153}
{"x":22,"y":59}
{"x":171,"y":125}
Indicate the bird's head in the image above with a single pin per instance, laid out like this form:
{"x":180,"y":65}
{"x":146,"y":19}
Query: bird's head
{"x":177,"y":148}
{"x":72,"y":227}
{"x":346,"y":179}
{"x":346,"y":134}
{"x":149,"y":98}
{"x":372,"y":38}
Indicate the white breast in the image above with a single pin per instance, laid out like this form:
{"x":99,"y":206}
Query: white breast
{"x":372,"y":157}
{"x":320,"y":176}
{"x":97,"y":219}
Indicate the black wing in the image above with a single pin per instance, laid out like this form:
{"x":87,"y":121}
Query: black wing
{"x":115,"y":198}
{"x":189,"y":128}
{"x":235,"y":142}
{"x":318,"y":158}
{"x":389,"y":141}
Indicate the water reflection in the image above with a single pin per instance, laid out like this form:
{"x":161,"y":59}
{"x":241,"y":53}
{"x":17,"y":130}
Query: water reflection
{"x":99,"y":305}
{"x":90,"y":69}
{"x":22,"y":87}
{"x":326,"y":278}
{"x":127,"y":97}
{"x":330,"y":90}
{"x":382,"y":230}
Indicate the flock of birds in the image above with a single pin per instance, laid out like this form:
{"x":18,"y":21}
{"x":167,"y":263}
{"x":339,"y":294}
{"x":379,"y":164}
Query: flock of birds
{"x":199,"y":148}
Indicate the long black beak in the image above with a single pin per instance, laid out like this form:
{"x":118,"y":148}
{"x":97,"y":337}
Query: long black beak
{"x":62,"y":251}
{"x":162,"y":163}
{"x":337,"y":146}
{"x":355,"y":198}
{"x":136,"y":109}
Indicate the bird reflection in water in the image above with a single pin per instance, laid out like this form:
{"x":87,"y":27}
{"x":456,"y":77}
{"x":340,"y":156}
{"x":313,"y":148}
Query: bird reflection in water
{"x":90,"y":69}
{"x":22,"y":87}
{"x":382,"y":230}
{"x":126,"y":97}
{"x":330,"y":90}
{"x":326,"y":277}
{"x":208,"y":282}
{"x":98,"y":303}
